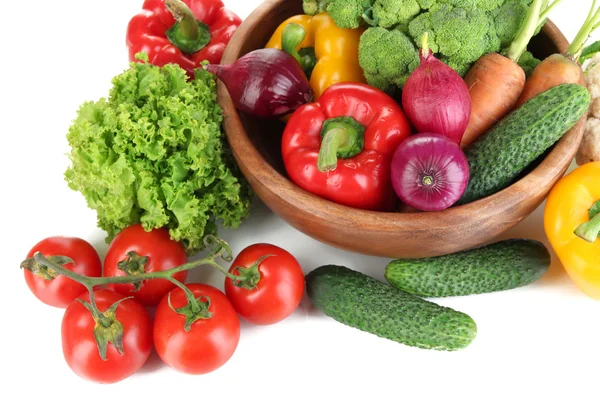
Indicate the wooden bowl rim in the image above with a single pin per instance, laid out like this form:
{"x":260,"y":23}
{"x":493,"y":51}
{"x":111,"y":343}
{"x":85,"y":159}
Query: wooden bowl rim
{"x":555,"y":163}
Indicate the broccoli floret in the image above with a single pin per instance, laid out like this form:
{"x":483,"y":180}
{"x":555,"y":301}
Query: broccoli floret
{"x":508,"y":19}
{"x":427,"y":4}
{"x":348,"y":14}
{"x":484,"y":5}
{"x":528,"y":62}
{"x":387,"y":58}
{"x":388,"y":13}
{"x":354,"y":13}
{"x":458,"y":35}
{"x":313,"y":7}
{"x":460,"y":67}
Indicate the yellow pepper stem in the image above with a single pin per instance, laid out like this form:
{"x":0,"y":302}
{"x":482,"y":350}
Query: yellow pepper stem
{"x":292,"y":36}
{"x":590,"y":230}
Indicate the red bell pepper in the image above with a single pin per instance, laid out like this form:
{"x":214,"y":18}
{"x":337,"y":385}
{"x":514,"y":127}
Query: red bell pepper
{"x":185,"y":32}
{"x":340,"y":148}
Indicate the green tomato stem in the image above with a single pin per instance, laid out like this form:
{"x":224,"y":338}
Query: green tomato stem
{"x":194,"y":310}
{"x":223,"y":270}
{"x":222,"y":250}
{"x":188,"y":293}
{"x":98,"y":315}
{"x":249,"y":277}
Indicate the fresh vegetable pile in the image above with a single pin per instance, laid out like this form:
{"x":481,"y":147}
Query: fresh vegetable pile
{"x":427,"y":103}
{"x":461,"y":32}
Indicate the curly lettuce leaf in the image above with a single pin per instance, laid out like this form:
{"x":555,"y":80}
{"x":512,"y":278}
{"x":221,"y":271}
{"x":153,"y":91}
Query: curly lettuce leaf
{"x":154,"y":153}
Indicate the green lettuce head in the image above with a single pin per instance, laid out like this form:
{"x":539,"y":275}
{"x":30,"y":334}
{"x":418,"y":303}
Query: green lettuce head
{"x":154,"y":153}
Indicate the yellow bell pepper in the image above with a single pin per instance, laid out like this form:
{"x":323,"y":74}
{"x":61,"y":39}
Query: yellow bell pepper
{"x":317,"y":41}
{"x":572,"y":224}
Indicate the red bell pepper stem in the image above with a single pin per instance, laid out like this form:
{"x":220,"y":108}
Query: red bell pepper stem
{"x":343,"y":137}
{"x":590,"y":230}
{"x":188,"y":34}
{"x":182,"y":13}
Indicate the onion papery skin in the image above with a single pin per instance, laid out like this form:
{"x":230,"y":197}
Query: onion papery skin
{"x":436,"y":99}
{"x":267,"y":83}
{"x":429,"y":157}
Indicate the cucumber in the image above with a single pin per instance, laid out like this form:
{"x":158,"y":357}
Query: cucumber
{"x":498,"y":157}
{"x":362,"y":302}
{"x":497,"y":267}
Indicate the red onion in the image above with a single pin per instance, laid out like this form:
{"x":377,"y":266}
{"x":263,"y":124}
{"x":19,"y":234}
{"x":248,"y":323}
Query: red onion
{"x":436,"y":98}
{"x":429,"y":172}
{"x":267,"y":83}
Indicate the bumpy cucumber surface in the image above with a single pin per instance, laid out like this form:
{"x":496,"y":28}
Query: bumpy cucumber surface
{"x":499,"y":156}
{"x":362,"y":302}
{"x":500,"y":266}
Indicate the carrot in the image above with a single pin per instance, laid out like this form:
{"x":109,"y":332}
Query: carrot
{"x":496,"y":81}
{"x":563,"y":68}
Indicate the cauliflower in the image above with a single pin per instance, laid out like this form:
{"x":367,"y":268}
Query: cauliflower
{"x":589,"y":150}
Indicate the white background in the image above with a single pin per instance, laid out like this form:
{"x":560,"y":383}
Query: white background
{"x":543,"y":340}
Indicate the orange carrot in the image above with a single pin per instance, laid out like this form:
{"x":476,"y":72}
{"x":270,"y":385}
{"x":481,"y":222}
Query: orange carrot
{"x":561,"y":68}
{"x":496,"y":81}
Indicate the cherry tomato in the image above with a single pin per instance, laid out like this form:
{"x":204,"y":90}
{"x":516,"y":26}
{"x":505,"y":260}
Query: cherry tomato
{"x":279,"y":289}
{"x":209,"y":343}
{"x":162,"y":253}
{"x":61,"y":291}
{"x":79,"y":344}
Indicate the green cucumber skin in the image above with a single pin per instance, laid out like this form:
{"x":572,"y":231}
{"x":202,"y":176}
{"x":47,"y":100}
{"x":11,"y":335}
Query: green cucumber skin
{"x":362,"y":302}
{"x":493,"y":268}
{"x":498,"y":157}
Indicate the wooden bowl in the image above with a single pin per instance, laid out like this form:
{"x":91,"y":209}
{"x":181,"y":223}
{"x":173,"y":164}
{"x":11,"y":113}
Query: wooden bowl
{"x":256,"y":146}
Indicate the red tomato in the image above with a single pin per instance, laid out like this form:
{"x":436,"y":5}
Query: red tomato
{"x":279,"y":290}
{"x":163,"y":253}
{"x":61,"y":291}
{"x":79,"y":344}
{"x":209,"y":343}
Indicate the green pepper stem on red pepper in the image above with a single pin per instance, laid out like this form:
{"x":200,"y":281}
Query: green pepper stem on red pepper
{"x":184,"y":32}
{"x":343,"y":137}
{"x":188,"y":34}
{"x":340,"y":148}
